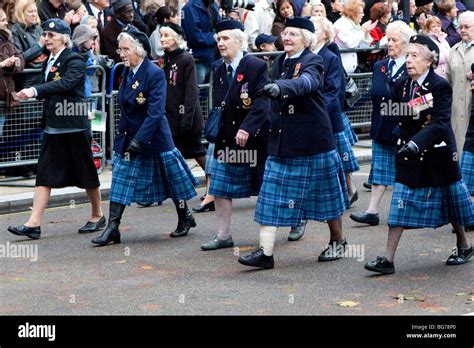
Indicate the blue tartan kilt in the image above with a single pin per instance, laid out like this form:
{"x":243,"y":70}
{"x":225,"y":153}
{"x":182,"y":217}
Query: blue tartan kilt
{"x":210,"y":158}
{"x":382,"y":170}
{"x":150,"y":179}
{"x":302,"y":188}
{"x":350,"y":134}
{"x":344,"y":148}
{"x":235,"y":181}
{"x":467,"y":170}
{"x":431,"y":207}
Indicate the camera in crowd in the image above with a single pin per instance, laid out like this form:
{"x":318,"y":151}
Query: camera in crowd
{"x":227,"y":5}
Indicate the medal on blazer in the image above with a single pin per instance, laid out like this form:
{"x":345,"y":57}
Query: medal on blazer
{"x":135,"y":85}
{"x":53,"y":69}
{"x":56,"y":76}
{"x":173,"y":74}
{"x":244,"y":94}
{"x":297,"y":70}
{"x":421,"y":103}
{"x":140,"y":98}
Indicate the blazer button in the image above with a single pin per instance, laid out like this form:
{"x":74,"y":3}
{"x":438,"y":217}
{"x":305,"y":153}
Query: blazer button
{"x":383,"y":98}
{"x":404,"y":142}
{"x":399,"y":123}
{"x":406,"y":158}
{"x":238,"y":107}
{"x":223,"y":141}
{"x":279,"y":131}
{"x":125,"y":133}
{"x":233,"y":122}
{"x":425,"y":151}
{"x":270,"y":130}
{"x":280,"y":112}
{"x":421,"y":158}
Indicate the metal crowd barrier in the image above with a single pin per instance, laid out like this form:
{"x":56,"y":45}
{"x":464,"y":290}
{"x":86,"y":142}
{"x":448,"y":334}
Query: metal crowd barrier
{"x":20,"y":128}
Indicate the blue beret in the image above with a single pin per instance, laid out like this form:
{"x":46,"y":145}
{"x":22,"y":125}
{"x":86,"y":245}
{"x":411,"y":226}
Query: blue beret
{"x":139,"y":36}
{"x":264,"y":38}
{"x":56,"y":25}
{"x":427,"y":42}
{"x":300,"y":22}
{"x":229,"y":25}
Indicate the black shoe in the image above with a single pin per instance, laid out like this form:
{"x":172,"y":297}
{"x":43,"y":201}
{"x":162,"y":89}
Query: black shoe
{"x":30,"y":232}
{"x":203,"y":197}
{"x":459,"y":257}
{"x":216,"y":243}
{"x":354,"y":198}
{"x":185,"y":220}
{"x":90,"y":226}
{"x":380,"y":265}
{"x":334,"y":251}
{"x":258,"y":259}
{"x":111,"y":234}
{"x":144,"y":205}
{"x":366,"y":218}
{"x":206,"y":207}
{"x":367,"y":186}
{"x":297,"y":232}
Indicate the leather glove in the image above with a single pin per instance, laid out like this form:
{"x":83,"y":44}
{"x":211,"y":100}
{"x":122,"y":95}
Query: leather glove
{"x":272,"y":90}
{"x":134,"y":147}
{"x":409,"y":150}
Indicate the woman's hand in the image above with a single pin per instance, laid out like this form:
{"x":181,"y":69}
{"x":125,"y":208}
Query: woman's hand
{"x":369,"y":26}
{"x":26,"y":93}
{"x":241,"y":137}
{"x":9,"y":62}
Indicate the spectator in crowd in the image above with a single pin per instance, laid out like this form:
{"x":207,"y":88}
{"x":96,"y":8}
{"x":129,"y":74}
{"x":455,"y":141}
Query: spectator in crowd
{"x":334,"y":9}
{"x":350,"y":34}
{"x":163,"y":15}
{"x":150,"y":7}
{"x":317,"y":10}
{"x":83,"y":39}
{"x":424,"y":11}
{"x":460,"y":59}
{"x":3,"y":19}
{"x":234,"y":14}
{"x":447,"y":13}
{"x":11,"y":63}
{"x":303,"y":176}
{"x":387,"y":75}
{"x":265,"y":43}
{"x":138,"y":17}
{"x":123,"y":15}
{"x":58,"y":9}
{"x":379,"y":13}
{"x":27,"y":37}
{"x":469,"y":5}
{"x":91,"y":21}
{"x":99,"y":9}
{"x":432,"y":29}
{"x":66,"y":156}
{"x":244,"y":129}
{"x":147,"y":167}
{"x":284,"y":10}
{"x":199,"y":21}
{"x":9,"y":9}
{"x":259,"y":21}
{"x":429,"y":191}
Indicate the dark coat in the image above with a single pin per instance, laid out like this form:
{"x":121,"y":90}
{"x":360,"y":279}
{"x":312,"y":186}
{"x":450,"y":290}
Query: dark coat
{"x":382,"y":93}
{"x":448,"y":27}
{"x":334,"y":48}
{"x":142,"y":103}
{"x":108,"y":40}
{"x":253,"y":74}
{"x":469,"y":142}
{"x":332,"y":87}
{"x":300,"y":124}
{"x":7,"y":50}
{"x":47,"y":11}
{"x":437,"y":163}
{"x":107,"y":13}
{"x":182,"y":90}
{"x":65,"y":84}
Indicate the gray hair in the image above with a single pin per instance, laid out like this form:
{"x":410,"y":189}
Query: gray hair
{"x":68,"y":41}
{"x":309,"y":39}
{"x":239,"y":37}
{"x":180,"y":43}
{"x":429,"y":55}
{"x":138,"y":46}
{"x":467,"y":16}
{"x":402,"y":29}
{"x":326,"y":26}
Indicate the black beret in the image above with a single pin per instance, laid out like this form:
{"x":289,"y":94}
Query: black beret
{"x":300,"y":22}
{"x":419,"y":3}
{"x":264,"y":38}
{"x":427,"y":42}
{"x":175,"y":27}
{"x":56,"y":25}
{"x":120,"y":4}
{"x":164,"y":12}
{"x":229,"y":25}
{"x":139,"y":36}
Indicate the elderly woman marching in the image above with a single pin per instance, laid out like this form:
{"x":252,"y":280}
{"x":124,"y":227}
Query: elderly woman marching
{"x":240,"y":147}
{"x":147,"y":167}
{"x":304,"y":177}
{"x":429,"y":190}
{"x":66,"y":157}
{"x":387,"y":74}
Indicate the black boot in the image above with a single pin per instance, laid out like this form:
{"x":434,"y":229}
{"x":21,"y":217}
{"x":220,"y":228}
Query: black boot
{"x":111,"y":233}
{"x":185,"y":220}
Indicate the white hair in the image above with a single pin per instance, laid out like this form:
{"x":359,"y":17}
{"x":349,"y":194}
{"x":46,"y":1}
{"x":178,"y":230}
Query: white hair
{"x":326,"y":26}
{"x":139,"y":49}
{"x":239,"y":37}
{"x":180,"y":43}
{"x":402,"y":29}
{"x":429,"y":55}
{"x":467,"y":16}
{"x":67,"y":40}
{"x":309,"y":39}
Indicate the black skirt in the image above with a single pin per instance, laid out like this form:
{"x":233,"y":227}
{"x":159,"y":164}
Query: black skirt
{"x":190,"y":146}
{"x":66,"y":160}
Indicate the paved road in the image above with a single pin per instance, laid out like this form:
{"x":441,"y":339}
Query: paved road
{"x":150,"y":273}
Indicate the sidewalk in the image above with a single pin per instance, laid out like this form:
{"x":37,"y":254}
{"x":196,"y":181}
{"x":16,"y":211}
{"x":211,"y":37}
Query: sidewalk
{"x":17,"y":195}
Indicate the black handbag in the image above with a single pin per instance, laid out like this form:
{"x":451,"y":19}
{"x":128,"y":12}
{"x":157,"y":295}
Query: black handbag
{"x":353,"y":93}
{"x":213,"y":124}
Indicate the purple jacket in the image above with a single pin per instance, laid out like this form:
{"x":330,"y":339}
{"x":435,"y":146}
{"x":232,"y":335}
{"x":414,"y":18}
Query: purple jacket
{"x":448,"y":27}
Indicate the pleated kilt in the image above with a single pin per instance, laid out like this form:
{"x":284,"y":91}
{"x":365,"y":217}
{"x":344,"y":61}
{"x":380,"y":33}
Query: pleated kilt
{"x":467,"y":170}
{"x":343,"y":146}
{"x":302,"y":188}
{"x":348,"y":129}
{"x":151,"y":179}
{"x":210,"y":158}
{"x":235,"y":181}
{"x":382,"y":169}
{"x":431,"y":206}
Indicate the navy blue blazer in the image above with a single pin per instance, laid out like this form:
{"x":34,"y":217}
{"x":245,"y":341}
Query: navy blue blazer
{"x":142,"y":101}
{"x":333,"y":76}
{"x":250,"y":77}
{"x":334,"y":48}
{"x":299,"y":122}
{"x":437,"y":163}
{"x":382,"y":93}
{"x":469,"y":142}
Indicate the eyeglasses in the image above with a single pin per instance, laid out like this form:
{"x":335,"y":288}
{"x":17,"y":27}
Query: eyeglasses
{"x":291,"y":34}
{"x":123,"y":50}
{"x":48,"y":34}
{"x":464,"y":26}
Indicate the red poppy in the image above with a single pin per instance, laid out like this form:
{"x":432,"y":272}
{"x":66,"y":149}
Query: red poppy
{"x":382,"y":69}
{"x":161,"y":63}
{"x":53,"y":69}
{"x":109,"y":18}
{"x":240,"y":77}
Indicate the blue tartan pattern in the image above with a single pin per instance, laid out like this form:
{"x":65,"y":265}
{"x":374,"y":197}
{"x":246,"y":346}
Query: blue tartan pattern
{"x":350,"y":134}
{"x":302,"y":188}
{"x":149,"y":179}
{"x":382,"y":169}
{"x":467,"y":170}
{"x":232,"y":181}
{"x":209,"y":158}
{"x":348,"y":158}
{"x":431,"y":207}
